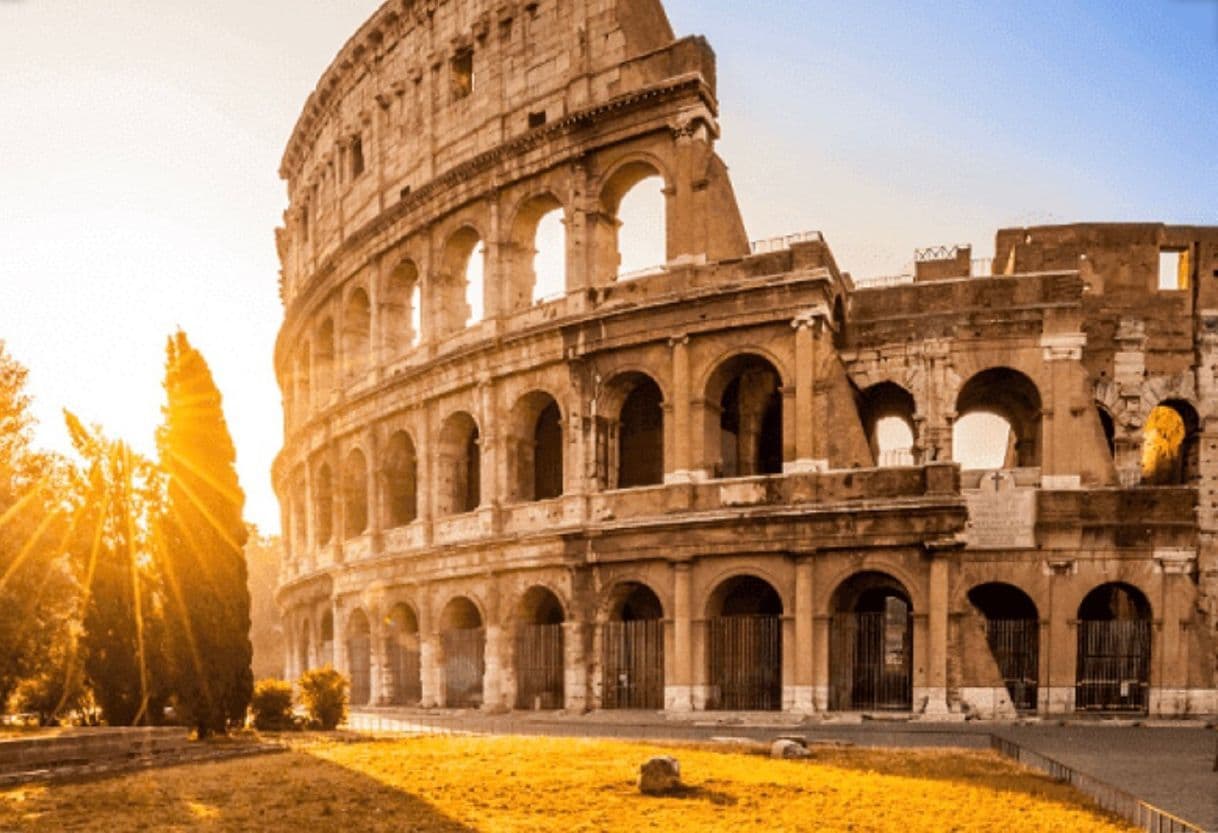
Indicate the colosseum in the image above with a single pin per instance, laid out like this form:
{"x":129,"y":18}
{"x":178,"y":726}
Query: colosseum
{"x":740,"y":479}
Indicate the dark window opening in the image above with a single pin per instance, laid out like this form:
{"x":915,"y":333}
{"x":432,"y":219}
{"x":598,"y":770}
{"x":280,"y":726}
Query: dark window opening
{"x":547,"y":460}
{"x":463,"y":73}
{"x":641,"y":437}
{"x":537,"y":119}
{"x":357,"y":157}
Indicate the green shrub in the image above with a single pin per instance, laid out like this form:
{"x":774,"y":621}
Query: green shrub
{"x":272,"y":705}
{"x":323,"y":692}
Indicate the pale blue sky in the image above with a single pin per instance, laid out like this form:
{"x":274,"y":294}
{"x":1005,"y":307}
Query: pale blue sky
{"x":140,"y":139}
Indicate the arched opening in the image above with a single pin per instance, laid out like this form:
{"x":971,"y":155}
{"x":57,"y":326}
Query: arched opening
{"x":302,"y":401}
{"x":324,"y":522}
{"x":463,"y":640}
{"x":639,"y":459}
{"x":401,"y":480}
{"x":1169,"y":445}
{"x":1012,"y":631}
{"x":871,"y":644}
{"x":887,"y":411}
{"x":323,"y":361}
{"x":632,"y":649}
{"x":357,"y":331}
{"x":748,"y":431}
{"x":355,"y":494}
{"x":1114,"y":630}
{"x":634,"y":198}
{"x":744,"y":649}
{"x":998,"y":423}
{"x":398,"y":311}
{"x":459,"y":473}
{"x":538,"y":254}
{"x":839,"y":323}
{"x":304,"y":660}
{"x":359,"y":658}
{"x":1108,"y":425}
{"x":402,"y":653}
{"x":539,"y":651}
{"x":327,"y":639}
{"x":536,"y":448}
{"x":300,"y":530}
{"x":459,"y":284}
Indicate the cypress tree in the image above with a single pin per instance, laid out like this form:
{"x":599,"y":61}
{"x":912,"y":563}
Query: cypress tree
{"x":202,"y":536}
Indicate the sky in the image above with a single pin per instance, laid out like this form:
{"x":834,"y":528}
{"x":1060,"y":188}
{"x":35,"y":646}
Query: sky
{"x":140,"y":142}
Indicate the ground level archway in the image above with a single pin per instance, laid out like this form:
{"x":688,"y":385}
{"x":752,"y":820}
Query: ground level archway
{"x":463,"y":640}
{"x":1114,"y":632}
{"x":871,"y":645}
{"x":744,"y":646}
{"x":1012,"y":630}
{"x":632,"y":650}
{"x":539,"y":651}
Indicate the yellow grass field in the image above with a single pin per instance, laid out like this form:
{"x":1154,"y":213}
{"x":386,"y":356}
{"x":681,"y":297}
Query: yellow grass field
{"x":447,"y":785}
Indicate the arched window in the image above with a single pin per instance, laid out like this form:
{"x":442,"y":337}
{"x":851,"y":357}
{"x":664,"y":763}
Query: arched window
{"x":634,"y":198}
{"x":401,"y":480}
{"x":302,"y":400}
{"x":998,"y":422}
{"x":459,"y":285}
{"x":749,"y":436}
{"x":405,"y":678}
{"x":304,"y":658}
{"x":355,"y":494}
{"x":399,"y":331}
{"x":460,"y":466}
{"x":538,"y":254}
{"x":887,"y":412}
{"x":324,"y":522}
{"x":359,"y":658}
{"x":357,"y":329}
{"x":300,"y":530}
{"x":323,"y":360}
{"x":1169,"y":444}
{"x":327,"y":638}
{"x":536,"y":446}
{"x":640,"y":433}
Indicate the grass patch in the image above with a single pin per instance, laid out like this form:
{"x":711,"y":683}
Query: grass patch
{"x":451,"y":785}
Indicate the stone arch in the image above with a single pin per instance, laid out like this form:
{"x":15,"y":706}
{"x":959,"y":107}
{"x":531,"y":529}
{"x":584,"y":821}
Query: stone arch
{"x":535,"y":243}
{"x":299,"y":514}
{"x":743,"y":425}
{"x":638,"y":242}
{"x":399,"y":302}
{"x":326,"y":638}
{"x":324,"y":354}
{"x":355,"y":494}
{"x":463,"y":646}
{"x":888,"y":413}
{"x":359,"y":657}
{"x":302,"y":393}
{"x":1006,"y":395}
{"x":535,"y":447}
{"x":1114,"y":649}
{"x":744,"y":645}
{"x":403,"y":655}
{"x":459,"y":469}
{"x":1171,"y":444}
{"x":459,"y":293}
{"x":357,"y":334}
{"x":1012,"y":633}
{"x":401,"y":470}
{"x":632,"y":647}
{"x":324,"y":518}
{"x":633,"y":453}
{"x":871,"y":643}
{"x":539,"y":649}
{"x":304,"y":659}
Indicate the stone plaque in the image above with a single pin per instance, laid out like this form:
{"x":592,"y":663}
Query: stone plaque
{"x":1001,"y":515}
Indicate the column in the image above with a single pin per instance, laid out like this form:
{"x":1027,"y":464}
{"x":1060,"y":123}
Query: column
{"x":1058,"y":685}
{"x":1060,"y":463}
{"x":803,"y":698}
{"x":936,"y":627}
{"x":810,"y":455}
{"x":1169,"y":695}
{"x":495,"y":652}
{"x":575,"y":670}
{"x":682,"y":458}
{"x":677,"y":691}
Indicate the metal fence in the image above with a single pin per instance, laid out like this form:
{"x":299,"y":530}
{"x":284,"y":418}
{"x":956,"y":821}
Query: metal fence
{"x":745,"y":663}
{"x":871,"y":662}
{"x":359,"y":658}
{"x":539,"y":667}
{"x":1015,"y":644}
{"x":405,"y":676}
{"x":632,"y":664}
{"x":1116,"y":801}
{"x":464,"y":666}
{"x":1113,"y":665}
{"x":778,"y":244}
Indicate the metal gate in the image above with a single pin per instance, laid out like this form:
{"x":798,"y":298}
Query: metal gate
{"x":1015,"y":644}
{"x":745,"y":663}
{"x":1113,"y":665}
{"x":404,"y":673}
{"x":632,"y":664}
{"x":871,"y":658}
{"x":359,"y":660}
{"x":539,"y":667}
{"x":463,"y":667}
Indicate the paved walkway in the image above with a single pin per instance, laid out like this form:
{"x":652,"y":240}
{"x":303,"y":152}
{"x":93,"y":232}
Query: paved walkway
{"x":1168,"y":765}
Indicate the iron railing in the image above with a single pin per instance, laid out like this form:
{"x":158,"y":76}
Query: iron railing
{"x":778,"y":244}
{"x":464,"y":665}
{"x":1143,"y":815}
{"x":632,"y":663}
{"x":539,"y":667}
{"x":746,"y":663}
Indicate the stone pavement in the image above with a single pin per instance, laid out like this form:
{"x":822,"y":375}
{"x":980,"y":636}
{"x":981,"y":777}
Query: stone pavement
{"x":1166,"y":763}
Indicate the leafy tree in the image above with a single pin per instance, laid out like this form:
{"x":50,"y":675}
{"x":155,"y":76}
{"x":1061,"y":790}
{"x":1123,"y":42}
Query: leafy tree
{"x":119,"y":645}
{"x":202,"y":536}
{"x":35,"y":585}
{"x":323,"y":693}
